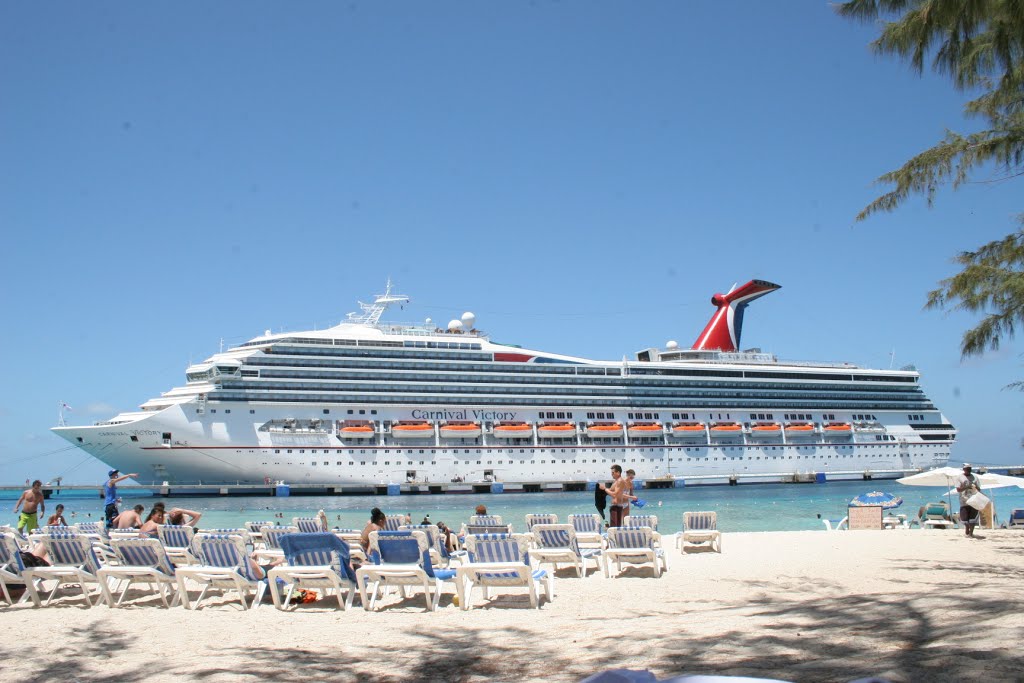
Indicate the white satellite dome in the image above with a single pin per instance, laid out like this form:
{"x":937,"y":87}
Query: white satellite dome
{"x":672,"y":344}
{"x":455,"y":325}
{"x":428,"y":321}
{"x":469,"y":319}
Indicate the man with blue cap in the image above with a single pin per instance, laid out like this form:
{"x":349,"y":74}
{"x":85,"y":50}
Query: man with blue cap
{"x":110,"y":494}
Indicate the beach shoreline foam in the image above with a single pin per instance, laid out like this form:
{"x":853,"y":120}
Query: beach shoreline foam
{"x":905,"y":605}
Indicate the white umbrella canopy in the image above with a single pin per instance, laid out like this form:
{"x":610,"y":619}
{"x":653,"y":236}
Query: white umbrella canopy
{"x":946,"y":476}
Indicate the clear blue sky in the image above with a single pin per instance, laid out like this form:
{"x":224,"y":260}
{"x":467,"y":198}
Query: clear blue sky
{"x":581,"y":175}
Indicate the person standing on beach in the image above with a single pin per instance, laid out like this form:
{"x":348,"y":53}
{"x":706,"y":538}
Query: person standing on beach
{"x":31,"y":504}
{"x":114,"y":477}
{"x":617,"y":492}
{"x":967,"y":485}
{"x":629,"y":495}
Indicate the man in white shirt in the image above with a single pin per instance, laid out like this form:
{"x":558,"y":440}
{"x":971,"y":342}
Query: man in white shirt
{"x":967,"y":485}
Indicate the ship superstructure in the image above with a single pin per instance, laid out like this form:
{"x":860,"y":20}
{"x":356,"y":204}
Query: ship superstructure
{"x":371,"y":402}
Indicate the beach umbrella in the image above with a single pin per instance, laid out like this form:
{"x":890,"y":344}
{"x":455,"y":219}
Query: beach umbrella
{"x":886,"y":501}
{"x":946,"y":477}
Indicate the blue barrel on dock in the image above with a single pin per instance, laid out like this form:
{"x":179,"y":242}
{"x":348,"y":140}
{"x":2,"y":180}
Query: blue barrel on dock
{"x":679,"y":484}
{"x":819,"y":478}
{"x":497,"y":487}
{"x":591,"y":485}
{"x":639,"y":484}
{"x":394,"y":489}
{"x":282,"y":490}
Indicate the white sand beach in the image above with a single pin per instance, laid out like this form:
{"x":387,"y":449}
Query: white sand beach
{"x":905,"y":605}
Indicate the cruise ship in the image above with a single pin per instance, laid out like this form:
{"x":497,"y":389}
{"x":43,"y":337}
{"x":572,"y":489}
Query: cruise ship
{"x":368,"y":402}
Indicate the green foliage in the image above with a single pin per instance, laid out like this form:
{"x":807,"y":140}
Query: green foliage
{"x":979,"y":44}
{"x":992,"y":283}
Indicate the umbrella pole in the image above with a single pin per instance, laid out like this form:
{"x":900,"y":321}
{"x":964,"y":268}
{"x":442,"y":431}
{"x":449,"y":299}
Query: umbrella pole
{"x":950,"y":496}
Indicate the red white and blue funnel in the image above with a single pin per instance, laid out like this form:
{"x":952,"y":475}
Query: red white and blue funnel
{"x":722,"y":332}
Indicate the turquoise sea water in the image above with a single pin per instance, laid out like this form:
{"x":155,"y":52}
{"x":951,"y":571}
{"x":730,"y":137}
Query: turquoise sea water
{"x":750,"y":507}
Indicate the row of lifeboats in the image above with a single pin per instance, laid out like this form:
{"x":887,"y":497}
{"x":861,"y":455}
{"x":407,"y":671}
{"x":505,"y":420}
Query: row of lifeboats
{"x":606,"y":430}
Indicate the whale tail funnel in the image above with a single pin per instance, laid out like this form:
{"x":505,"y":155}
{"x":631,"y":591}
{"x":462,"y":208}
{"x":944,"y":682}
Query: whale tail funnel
{"x":722,"y":333}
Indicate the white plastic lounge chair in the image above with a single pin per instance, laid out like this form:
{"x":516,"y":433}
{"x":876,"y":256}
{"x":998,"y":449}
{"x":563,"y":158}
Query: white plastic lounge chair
{"x":500,"y":561}
{"x":633,"y":546}
{"x":836,"y":524}
{"x":540,"y":518}
{"x":589,"y":529}
{"x":177,"y":542}
{"x":485,"y":520}
{"x":271,"y":549}
{"x":314,"y":561}
{"x":308,"y":525}
{"x":394,"y":522}
{"x":142,"y":559}
{"x":1016,"y":520}
{"x":636,"y":521}
{"x":556,"y":543}
{"x":937,"y":516}
{"x":72,"y":560}
{"x":439,"y":554}
{"x":401,"y":558}
{"x":223,"y":565}
{"x":94,"y":529}
{"x":699,"y":528}
{"x":11,"y":566}
{"x":354,"y":539}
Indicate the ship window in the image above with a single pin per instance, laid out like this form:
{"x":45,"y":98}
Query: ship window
{"x":277,"y":450}
{"x":252,"y":412}
{"x":326,"y":411}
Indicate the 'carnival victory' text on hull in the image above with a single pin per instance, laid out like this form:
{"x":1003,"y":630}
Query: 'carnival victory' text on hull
{"x":368,"y":402}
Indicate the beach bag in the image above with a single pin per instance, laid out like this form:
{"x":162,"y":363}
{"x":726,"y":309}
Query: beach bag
{"x":978,"y":501}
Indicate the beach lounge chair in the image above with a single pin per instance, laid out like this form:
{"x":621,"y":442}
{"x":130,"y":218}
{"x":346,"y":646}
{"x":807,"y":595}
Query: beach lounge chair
{"x":401,"y":558}
{"x":271,"y":543}
{"x":699,"y":528}
{"x":937,"y":516}
{"x":589,"y":529}
{"x":223,"y":565}
{"x":142,"y":559}
{"x":556,"y":543}
{"x":354,"y":539}
{"x":94,"y":529}
{"x":439,"y":554}
{"x":308,"y":525}
{"x":1016,"y":520}
{"x":836,"y":524}
{"x":540,"y":518}
{"x":319,"y":560}
{"x":257,"y":527}
{"x":632,"y":521}
{"x":177,"y":542}
{"x":11,"y":566}
{"x":395,"y":522}
{"x":485,"y":520}
{"x":633,"y":546}
{"x":500,"y":561}
{"x":72,"y":560}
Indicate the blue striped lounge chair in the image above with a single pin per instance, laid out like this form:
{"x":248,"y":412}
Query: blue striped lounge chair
{"x":439,"y":554}
{"x":11,"y":566}
{"x":308,"y":525}
{"x":257,"y":527}
{"x":95,"y":529}
{"x":1016,"y":520}
{"x":142,"y":559}
{"x":401,"y":558}
{"x":395,"y":522}
{"x":540,"y":518}
{"x":354,"y":539}
{"x":318,"y":560}
{"x":500,"y":561}
{"x":700,"y":528}
{"x":271,"y":535}
{"x":223,"y":565}
{"x":177,"y":542}
{"x":556,"y":543}
{"x":651,"y":521}
{"x":72,"y":560}
{"x":485,"y":520}
{"x":589,"y":529}
{"x":633,"y":546}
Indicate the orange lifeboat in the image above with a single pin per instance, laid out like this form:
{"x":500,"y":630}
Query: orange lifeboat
{"x":412,"y":430}
{"x":604,"y":430}
{"x":460,"y":430}
{"x":726,"y":428}
{"x":838,"y":429}
{"x":513,"y":430}
{"x":357,"y":431}
{"x":799,"y":429}
{"x":556,"y":430}
{"x":764,"y":429}
{"x":644,"y":429}
{"x":688,"y":430}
